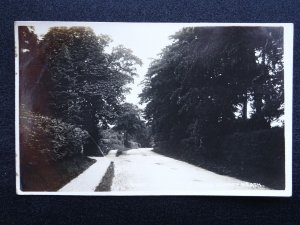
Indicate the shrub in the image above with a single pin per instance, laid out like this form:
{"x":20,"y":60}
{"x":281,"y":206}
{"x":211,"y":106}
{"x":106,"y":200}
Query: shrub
{"x":46,"y":140}
{"x":257,"y":153}
{"x":112,"y":140}
{"x":263,"y":148}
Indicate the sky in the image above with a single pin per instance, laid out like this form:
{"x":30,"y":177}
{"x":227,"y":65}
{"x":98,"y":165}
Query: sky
{"x":146,"y":40}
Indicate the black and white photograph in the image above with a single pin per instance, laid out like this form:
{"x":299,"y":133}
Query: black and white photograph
{"x":112,"y":108}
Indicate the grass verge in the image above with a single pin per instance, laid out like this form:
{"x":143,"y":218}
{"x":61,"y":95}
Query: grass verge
{"x":106,"y":182}
{"x":54,"y":176}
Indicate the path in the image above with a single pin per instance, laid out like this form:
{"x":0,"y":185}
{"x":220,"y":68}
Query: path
{"x":146,"y":171}
{"x":90,"y":178}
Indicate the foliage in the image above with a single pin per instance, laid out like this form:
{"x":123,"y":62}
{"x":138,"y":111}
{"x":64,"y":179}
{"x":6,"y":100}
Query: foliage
{"x":54,"y":176}
{"x":112,"y":139}
{"x":255,"y":154}
{"x":195,"y":89}
{"x":78,"y":82}
{"x":132,"y":126}
{"x":28,"y":42}
{"x":45,"y":140}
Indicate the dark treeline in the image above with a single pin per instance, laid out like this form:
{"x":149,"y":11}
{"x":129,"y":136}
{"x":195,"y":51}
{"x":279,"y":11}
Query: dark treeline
{"x":213,"y":82}
{"x":71,"y":93}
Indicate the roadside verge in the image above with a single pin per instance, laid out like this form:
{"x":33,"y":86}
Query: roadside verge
{"x":89,"y":180}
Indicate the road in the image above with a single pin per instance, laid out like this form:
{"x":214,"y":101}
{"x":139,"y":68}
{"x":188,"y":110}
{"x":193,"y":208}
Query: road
{"x":144,"y":170}
{"x":89,"y":179}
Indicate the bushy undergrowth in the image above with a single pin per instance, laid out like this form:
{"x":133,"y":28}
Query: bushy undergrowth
{"x":52,"y":177}
{"x":115,"y":140}
{"x":112,"y":140}
{"x":46,"y":140}
{"x":50,"y":152}
{"x":254,"y":156}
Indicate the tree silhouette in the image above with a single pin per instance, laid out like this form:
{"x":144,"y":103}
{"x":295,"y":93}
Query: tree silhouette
{"x":195,"y":89}
{"x":83,"y":84}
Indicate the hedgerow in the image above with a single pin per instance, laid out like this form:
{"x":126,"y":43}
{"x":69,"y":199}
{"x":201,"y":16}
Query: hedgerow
{"x":46,"y":140}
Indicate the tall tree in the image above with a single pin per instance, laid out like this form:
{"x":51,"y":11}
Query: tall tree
{"x":193,"y":91}
{"x":86,"y":85}
{"x":28,"y":42}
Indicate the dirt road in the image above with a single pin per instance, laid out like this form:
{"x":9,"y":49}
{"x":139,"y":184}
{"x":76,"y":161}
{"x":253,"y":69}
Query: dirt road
{"x":142,"y":170}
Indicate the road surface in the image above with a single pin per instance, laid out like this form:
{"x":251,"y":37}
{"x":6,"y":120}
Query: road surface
{"x":90,"y":178}
{"x":144,"y":170}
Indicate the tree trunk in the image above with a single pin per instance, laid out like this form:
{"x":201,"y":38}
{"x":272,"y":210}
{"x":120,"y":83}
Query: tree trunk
{"x":126,"y":140}
{"x":92,"y":148}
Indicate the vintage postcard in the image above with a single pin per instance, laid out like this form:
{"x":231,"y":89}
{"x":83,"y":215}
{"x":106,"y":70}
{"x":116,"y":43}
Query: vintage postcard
{"x":105,"y":108}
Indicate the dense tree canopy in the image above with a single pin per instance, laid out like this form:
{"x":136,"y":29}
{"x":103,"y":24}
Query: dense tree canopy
{"x":77,"y":81}
{"x":28,"y":42}
{"x":200,"y":87}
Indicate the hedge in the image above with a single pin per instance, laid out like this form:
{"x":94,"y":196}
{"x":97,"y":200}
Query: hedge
{"x":257,"y":153}
{"x":46,"y":140}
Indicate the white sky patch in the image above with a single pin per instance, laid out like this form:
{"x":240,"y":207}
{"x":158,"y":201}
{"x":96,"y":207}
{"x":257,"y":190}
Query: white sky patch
{"x":146,"y":40}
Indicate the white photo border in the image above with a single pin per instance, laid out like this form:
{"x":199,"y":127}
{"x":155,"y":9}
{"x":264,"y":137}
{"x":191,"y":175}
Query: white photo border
{"x":288,"y":115}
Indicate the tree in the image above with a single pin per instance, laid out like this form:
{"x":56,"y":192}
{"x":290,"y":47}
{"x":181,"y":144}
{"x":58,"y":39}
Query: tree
{"x":85,"y":85}
{"x":132,"y":126}
{"x":193,"y":91}
{"x":267,"y":88}
{"x":28,"y":42}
